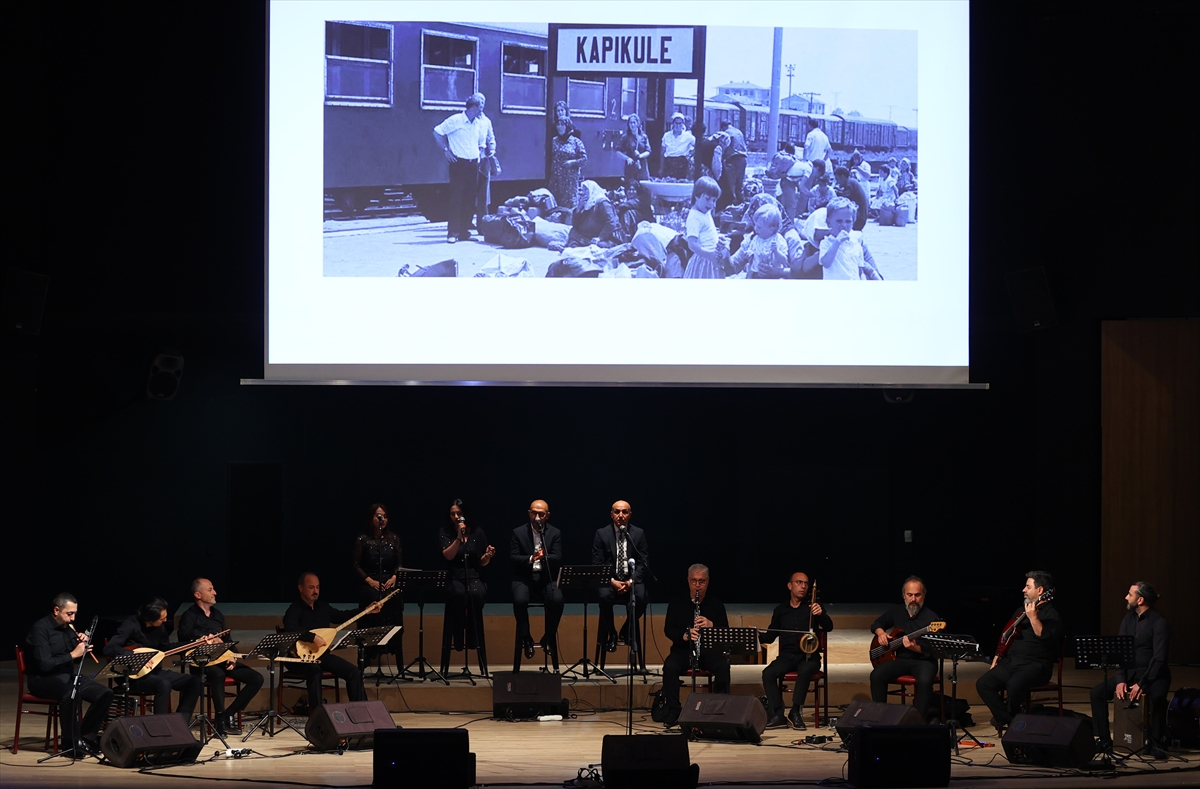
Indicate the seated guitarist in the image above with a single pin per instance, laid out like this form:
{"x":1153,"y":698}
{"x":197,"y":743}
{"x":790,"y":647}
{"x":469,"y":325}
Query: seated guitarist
{"x":910,"y":658}
{"x":147,"y":629}
{"x":203,"y":619}
{"x":1026,"y":660}
{"x":311,"y":613}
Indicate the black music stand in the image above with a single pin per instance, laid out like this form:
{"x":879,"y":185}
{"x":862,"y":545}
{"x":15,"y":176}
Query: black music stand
{"x":200,"y":657}
{"x":1105,"y":652}
{"x":365,"y":637}
{"x":954,"y":647}
{"x":273,"y":648}
{"x":585,"y":576}
{"x":419,"y":581}
{"x":728,"y":641}
{"x":122,"y":668}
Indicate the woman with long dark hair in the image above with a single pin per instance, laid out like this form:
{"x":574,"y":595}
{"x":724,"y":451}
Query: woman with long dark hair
{"x":568,"y":155}
{"x":377,"y":559}
{"x":464,"y":545}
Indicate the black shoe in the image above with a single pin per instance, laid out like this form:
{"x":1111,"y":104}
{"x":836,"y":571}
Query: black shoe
{"x":672,"y":719}
{"x":796,"y":719}
{"x":527,"y":644}
{"x":610,"y":645}
{"x":227,"y":724}
{"x":1156,"y":753}
{"x":547,"y":645}
{"x":84,"y":749}
{"x":1103,"y":746}
{"x":777,"y":722}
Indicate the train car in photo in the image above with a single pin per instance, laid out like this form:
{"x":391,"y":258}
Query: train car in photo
{"x":387,"y":84}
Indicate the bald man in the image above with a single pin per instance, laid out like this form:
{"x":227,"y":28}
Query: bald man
{"x":613,"y":546}
{"x":536,"y":552}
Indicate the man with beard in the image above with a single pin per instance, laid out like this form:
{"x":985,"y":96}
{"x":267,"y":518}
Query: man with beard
{"x":909,"y":616}
{"x":1150,"y":678}
{"x":1028,"y":660}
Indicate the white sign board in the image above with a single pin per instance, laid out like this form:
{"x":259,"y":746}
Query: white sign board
{"x":649,"y":50}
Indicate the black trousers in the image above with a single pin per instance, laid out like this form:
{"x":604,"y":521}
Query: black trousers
{"x":464,"y":179}
{"x":1155,"y":693}
{"x":250,"y":679}
{"x":608,"y":599}
{"x":161,"y":682}
{"x":733,"y":173}
{"x":459,"y":594}
{"x":1016,"y":680}
{"x":679,"y":661}
{"x":923,"y":671}
{"x":546,"y":591}
{"x":342,"y":669}
{"x":58,"y":686}
{"x":804,"y":666}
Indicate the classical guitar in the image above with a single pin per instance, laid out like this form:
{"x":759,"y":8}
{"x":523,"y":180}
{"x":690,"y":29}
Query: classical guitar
{"x":882,"y":654}
{"x":159,"y":655}
{"x":1014,"y":624}
{"x":309,"y":650}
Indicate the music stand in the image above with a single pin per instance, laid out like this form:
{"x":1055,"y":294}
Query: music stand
{"x":274,"y":648}
{"x":121,"y":668}
{"x":585,"y":576}
{"x":727,"y":641}
{"x":419,"y":581}
{"x":366,"y":637}
{"x":1105,"y":652}
{"x":954,"y":647}
{"x":200,"y":657}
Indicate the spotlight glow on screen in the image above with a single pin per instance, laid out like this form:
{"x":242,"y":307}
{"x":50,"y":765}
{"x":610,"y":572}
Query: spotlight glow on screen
{"x":355,"y":91}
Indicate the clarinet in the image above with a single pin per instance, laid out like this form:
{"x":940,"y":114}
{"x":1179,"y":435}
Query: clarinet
{"x":696,"y":643}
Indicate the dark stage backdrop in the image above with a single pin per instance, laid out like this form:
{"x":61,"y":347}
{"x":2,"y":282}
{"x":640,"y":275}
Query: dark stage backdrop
{"x":148,"y":209}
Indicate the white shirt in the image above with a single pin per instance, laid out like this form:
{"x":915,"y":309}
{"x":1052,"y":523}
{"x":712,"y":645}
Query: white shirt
{"x":816,"y":145}
{"x":462,"y":134}
{"x":678,"y":145}
{"x":487,"y":137}
{"x":848,"y":257}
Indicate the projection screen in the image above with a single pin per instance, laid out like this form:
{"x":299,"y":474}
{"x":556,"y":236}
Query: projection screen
{"x":372,"y":290}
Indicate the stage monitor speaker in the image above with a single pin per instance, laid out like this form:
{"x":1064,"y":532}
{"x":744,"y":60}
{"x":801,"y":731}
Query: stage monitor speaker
{"x":723,"y":716}
{"x":527,"y":694}
{"x":899,"y":756}
{"x":640,"y":761}
{"x":428,"y":758}
{"x":1048,"y":741}
{"x":149,"y":740}
{"x":350,"y":725}
{"x":874,"y":713}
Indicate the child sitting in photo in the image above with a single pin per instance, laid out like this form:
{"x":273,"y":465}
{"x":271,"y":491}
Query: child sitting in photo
{"x":844,"y":255}
{"x":700,"y":231}
{"x":764,"y":254}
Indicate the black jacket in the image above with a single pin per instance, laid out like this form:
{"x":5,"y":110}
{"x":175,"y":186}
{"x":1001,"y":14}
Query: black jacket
{"x":521,"y":548}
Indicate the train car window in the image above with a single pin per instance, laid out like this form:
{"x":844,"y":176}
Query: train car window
{"x":523,"y":79}
{"x":585,"y":98}
{"x":629,"y":96}
{"x":358,"y":64}
{"x":448,"y":69}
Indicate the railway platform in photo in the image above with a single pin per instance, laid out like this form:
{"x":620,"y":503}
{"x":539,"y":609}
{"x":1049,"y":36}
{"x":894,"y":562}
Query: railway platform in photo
{"x":380,"y":247}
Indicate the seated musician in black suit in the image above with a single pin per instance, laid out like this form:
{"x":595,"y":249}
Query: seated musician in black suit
{"x":685,"y":617}
{"x":1028,"y":658}
{"x":148,"y":629}
{"x":910,"y":659}
{"x":52,"y":647}
{"x":793,"y":615}
{"x":612,"y":547}
{"x":310,"y":613}
{"x":204,"y":619}
{"x":536,"y":553}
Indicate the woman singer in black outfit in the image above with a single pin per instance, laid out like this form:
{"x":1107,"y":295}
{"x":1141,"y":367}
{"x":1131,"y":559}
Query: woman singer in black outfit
{"x":377,"y":558}
{"x":465,"y":547}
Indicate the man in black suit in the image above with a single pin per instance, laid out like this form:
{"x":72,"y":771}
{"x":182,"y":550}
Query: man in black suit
{"x":613,"y":547}
{"x":536,"y":551}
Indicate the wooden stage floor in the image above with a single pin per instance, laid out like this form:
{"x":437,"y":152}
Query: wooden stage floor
{"x":545,"y":754}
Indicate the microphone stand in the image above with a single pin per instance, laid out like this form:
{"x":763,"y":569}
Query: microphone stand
{"x":74,"y":723}
{"x":633,"y":643}
{"x":641,"y":666}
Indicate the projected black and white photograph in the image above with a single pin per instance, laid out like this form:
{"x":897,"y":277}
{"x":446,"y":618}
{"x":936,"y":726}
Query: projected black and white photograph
{"x":585,"y":151}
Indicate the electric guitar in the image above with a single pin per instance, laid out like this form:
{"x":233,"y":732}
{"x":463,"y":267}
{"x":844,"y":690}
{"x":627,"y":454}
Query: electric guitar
{"x":1014,"y":624}
{"x":159,"y":655}
{"x":308,"y":650}
{"x":882,"y":654}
